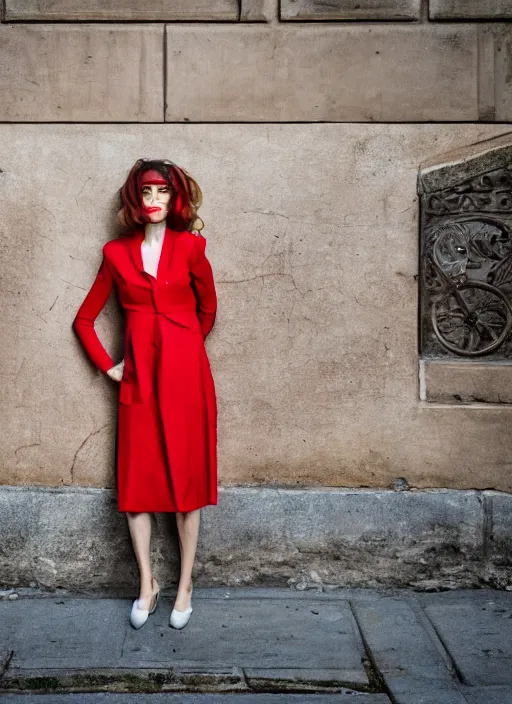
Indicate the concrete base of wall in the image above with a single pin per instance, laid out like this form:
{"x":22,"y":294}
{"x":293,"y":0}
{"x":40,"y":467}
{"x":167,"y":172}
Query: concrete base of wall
{"x":76,"y":539}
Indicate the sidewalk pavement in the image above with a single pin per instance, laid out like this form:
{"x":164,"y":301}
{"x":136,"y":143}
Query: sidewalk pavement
{"x":260,"y":646}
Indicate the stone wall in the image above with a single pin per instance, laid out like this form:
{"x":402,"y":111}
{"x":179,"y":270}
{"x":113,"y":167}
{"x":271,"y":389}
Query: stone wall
{"x":312,"y":232}
{"x":316,"y":538}
{"x":311,"y":212}
{"x":199,"y":61}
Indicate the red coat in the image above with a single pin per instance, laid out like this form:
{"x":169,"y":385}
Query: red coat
{"x":167,"y":421}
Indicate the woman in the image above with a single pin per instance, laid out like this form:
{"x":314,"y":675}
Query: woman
{"x":167,"y":421}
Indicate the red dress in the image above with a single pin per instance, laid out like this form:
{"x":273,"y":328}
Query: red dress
{"x":167,"y":421}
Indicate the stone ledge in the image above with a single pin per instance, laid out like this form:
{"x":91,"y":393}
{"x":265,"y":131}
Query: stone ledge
{"x":470,"y":9}
{"x":452,"y":168}
{"x":291,"y":72}
{"x":162,"y":10}
{"x":83,"y":73}
{"x":350,"y":10}
{"x":258,"y":10}
{"x":76,"y":538}
{"x":443,"y":381}
{"x":500,"y":527}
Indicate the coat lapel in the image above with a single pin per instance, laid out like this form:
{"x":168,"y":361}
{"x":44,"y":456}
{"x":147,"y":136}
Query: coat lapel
{"x":134,"y":242}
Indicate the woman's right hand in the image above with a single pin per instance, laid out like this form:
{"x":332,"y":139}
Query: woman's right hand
{"x":116,"y":373}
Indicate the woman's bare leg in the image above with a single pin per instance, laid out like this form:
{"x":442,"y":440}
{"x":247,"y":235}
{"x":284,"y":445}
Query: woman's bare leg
{"x":188,"y":533}
{"x":140,"y":531}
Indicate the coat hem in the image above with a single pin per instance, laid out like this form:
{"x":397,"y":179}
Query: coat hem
{"x":166,"y":510}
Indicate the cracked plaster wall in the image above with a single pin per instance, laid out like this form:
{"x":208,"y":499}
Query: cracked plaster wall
{"x":312,"y":232}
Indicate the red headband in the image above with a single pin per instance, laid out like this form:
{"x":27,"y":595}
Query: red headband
{"x":152,"y":177}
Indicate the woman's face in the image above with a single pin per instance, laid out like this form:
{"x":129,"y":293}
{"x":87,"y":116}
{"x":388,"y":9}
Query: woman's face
{"x":155,"y":201}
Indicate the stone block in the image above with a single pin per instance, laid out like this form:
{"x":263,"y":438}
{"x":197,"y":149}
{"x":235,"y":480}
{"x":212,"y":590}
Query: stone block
{"x":470,"y":9}
{"x":445,"y":381}
{"x":503,"y":71}
{"x":322,"y":73}
{"x":487,"y":695}
{"x":258,"y":10}
{"x":495,"y":77}
{"x":349,"y":517}
{"x":486,"y":72}
{"x":60,"y":539}
{"x":76,"y":538}
{"x":163,"y":10}
{"x":500,"y":528}
{"x":350,"y":10}
{"x":478,"y":638}
{"x":81,"y":73}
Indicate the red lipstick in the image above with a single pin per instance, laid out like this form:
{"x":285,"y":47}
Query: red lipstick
{"x":152,"y":209}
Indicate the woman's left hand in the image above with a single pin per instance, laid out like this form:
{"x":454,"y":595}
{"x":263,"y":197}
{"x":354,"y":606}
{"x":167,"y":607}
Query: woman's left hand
{"x":116,"y":373}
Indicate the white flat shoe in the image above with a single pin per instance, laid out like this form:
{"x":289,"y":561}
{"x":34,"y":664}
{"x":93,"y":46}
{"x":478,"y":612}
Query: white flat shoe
{"x":138,"y":616}
{"x":179,"y":619}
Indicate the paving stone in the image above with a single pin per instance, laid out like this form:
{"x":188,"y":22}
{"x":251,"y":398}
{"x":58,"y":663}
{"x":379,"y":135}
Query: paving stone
{"x":279,"y":642}
{"x":478,"y":636}
{"x":344,"y":697}
{"x":81,"y":73}
{"x":410,"y":661}
{"x":470,"y":9}
{"x":350,"y":10}
{"x":478,"y":597}
{"x":326,"y":73}
{"x":398,"y":640}
{"x":410,"y":690}
{"x":401,"y":639}
{"x":487,"y":695}
{"x":269,"y":636}
{"x":165,"y":10}
{"x":70,"y":633}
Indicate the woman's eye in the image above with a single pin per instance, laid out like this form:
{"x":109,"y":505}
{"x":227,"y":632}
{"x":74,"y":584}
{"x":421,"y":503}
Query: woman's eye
{"x":163,"y":190}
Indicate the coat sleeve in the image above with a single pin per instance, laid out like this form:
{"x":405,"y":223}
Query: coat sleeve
{"x":83,"y":323}
{"x":204,"y":286}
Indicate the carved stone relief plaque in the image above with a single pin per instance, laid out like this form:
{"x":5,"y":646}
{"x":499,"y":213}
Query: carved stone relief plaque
{"x":466,"y":254}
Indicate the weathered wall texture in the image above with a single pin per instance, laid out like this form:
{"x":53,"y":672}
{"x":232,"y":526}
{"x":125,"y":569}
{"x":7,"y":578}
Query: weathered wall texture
{"x":312,"y":232}
{"x":312,"y":228}
{"x":60,"y":73}
{"x":73,"y":537}
{"x":470,"y":9}
{"x":241,"y":72}
{"x":326,"y":73}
